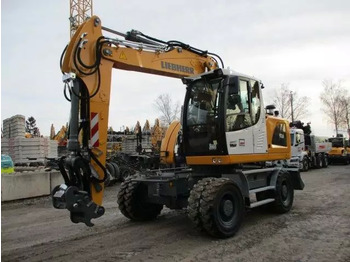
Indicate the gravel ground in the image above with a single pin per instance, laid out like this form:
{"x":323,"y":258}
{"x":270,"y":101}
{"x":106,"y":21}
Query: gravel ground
{"x":316,"y":229}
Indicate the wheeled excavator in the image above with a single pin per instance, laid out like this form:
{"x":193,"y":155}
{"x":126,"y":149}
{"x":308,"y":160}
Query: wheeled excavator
{"x":226,"y":135}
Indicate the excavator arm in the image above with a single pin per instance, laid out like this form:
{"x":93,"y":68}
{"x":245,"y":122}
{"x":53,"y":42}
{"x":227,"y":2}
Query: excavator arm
{"x":87,"y":65}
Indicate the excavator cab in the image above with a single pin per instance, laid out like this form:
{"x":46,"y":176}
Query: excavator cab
{"x":223,"y":117}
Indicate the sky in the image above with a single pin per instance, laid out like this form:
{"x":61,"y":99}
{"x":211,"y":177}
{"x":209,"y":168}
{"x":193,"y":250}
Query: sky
{"x":299,"y":42}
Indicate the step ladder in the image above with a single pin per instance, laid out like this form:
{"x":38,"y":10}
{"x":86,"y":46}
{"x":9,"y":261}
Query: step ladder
{"x":261,"y":202}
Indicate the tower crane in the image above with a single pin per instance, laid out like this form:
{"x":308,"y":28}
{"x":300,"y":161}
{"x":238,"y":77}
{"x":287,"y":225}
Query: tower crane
{"x":80,"y":11}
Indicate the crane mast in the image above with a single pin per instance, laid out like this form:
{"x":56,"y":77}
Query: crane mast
{"x":80,"y":11}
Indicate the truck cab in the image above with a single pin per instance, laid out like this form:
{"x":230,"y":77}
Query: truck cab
{"x":308,"y":150}
{"x":298,"y":149}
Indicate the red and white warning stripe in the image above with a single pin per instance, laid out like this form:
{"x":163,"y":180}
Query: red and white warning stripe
{"x":94,"y":130}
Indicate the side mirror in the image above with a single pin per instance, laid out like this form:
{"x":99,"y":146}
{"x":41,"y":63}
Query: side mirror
{"x":233,"y":84}
{"x":269,"y":109}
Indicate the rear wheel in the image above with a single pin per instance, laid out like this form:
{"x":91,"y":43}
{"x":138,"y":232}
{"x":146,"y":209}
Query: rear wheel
{"x":132,"y":204}
{"x":319,"y":163}
{"x":216,"y":205}
{"x":110,"y":174}
{"x":125,"y":173}
{"x":325,"y":160}
{"x":284,"y":194}
{"x":116,"y":171}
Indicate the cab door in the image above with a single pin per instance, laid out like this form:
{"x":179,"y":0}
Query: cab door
{"x":258,"y":118}
{"x":238,"y":120}
{"x":203,"y":122}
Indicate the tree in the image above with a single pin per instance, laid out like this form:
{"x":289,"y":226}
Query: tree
{"x":52,"y":132}
{"x":289,"y":104}
{"x":146,"y":128}
{"x":156,"y":135}
{"x":137,"y":127}
{"x":333,"y":104}
{"x":31,"y":127}
{"x":281,"y":100}
{"x":168,"y":111}
{"x":110,"y":130}
{"x":345,"y":104}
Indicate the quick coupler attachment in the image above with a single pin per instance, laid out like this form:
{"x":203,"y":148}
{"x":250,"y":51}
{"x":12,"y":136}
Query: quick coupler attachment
{"x":78,"y":202}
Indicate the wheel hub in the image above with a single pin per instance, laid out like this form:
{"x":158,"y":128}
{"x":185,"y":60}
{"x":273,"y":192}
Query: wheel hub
{"x":284,"y":191}
{"x":228,"y":207}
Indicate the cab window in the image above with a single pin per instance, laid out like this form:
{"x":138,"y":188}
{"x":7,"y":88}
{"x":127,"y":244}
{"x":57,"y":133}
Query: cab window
{"x":279,"y":137}
{"x":255,"y":101}
{"x":298,"y":138}
{"x":237,"y":108}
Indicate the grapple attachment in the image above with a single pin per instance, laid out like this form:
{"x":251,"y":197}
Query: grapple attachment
{"x":78,"y":202}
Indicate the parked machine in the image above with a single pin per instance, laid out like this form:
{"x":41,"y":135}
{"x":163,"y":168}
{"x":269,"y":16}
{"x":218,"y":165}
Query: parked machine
{"x":7,"y":166}
{"x":340,"y":150}
{"x":226,"y":135}
{"x":308,"y":151}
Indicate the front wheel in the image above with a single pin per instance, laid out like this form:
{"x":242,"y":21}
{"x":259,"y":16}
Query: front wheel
{"x":305,"y":164}
{"x":217,"y":206}
{"x":131,"y":201}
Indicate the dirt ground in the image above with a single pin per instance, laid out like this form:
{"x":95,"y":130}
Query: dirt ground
{"x":316,"y":229}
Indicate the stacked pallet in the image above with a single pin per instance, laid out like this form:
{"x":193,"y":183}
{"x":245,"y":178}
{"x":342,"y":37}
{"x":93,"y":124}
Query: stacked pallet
{"x":14,"y":127}
{"x":129,"y":143}
{"x":29,"y":150}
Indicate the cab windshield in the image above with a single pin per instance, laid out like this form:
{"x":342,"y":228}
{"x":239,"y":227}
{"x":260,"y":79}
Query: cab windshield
{"x":337,"y":142}
{"x":203,"y":102}
{"x":202,"y":116}
{"x":292,"y":139}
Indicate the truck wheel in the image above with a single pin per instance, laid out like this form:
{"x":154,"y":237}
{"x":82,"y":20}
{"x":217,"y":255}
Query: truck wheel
{"x":217,"y":206}
{"x":319,"y":161}
{"x":284,"y":194}
{"x":131,"y":201}
{"x":125,"y":173}
{"x":110,"y":174}
{"x":324,"y":160}
{"x":305,"y":164}
{"x":116,"y":171}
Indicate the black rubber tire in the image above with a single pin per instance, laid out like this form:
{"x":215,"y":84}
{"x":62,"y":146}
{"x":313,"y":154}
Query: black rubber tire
{"x":347,"y":161}
{"x":125,"y":173}
{"x":110,"y":174}
{"x":116,"y":171}
{"x":319,"y":163}
{"x":306,"y":164}
{"x":131,"y":201}
{"x":216,"y":205}
{"x":325,"y":161}
{"x":284,"y":193}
